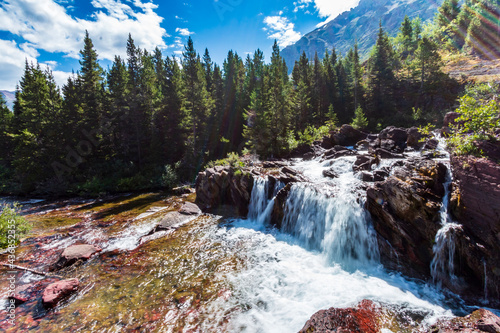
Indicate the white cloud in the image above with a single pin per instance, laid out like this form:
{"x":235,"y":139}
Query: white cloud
{"x":46,"y":25}
{"x":327,"y":8}
{"x":184,"y":31}
{"x":281,"y":29}
{"x":12,"y":61}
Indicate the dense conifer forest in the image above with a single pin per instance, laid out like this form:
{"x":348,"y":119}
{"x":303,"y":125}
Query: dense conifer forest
{"x":151,"y":122}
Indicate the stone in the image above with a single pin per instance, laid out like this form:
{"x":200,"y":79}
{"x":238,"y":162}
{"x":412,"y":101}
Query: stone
{"x":189,"y":208}
{"x":74,"y":253}
{"x":397,"y":135}
{"x":449,"y":119}
{"x":366,"y":176}
{"x":330,"y":173}
{"x":172,"y":220}
{"x":348,"y":136}
{"x":414,"y":137}
{"x":383,"y":153}
{"x":365,"y":162}
{"x":57,"y":291}
{"x":278,"y":212}
{"x":431,"y":144}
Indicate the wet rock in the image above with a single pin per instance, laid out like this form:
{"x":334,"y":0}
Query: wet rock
{"x":330,"y":173}
{"x":278,"y":212}
{"x":414,"y":137}
{"x":57,"y":291}
{"x":380,"y":175}
{"x":189,"y":208}
{"x":348,"y":136}
{"x":398,"y":136}
{"x":289,"y":171}
{"x":365,"y":162}
{"x":479,"y":321}
{"x":431,"y":144}
{"x":405,"y":211}
{"x":224,"y":186}
{"x":76,"y":253}
{"x":363,"y":145}
{"x":383,"y":153}
{"x":476,"y":205}
{"x":327,"y":142}
{"x":172,"y":220}
{"x":366,"y":176}
{"x":289,"y":175}
{"x":302,"y":151}
{"x":364,"y":319}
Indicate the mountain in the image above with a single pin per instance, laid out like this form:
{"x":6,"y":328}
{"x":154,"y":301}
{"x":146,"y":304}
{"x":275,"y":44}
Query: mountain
{"x":360,"y":23}
{"x":9,"y":96}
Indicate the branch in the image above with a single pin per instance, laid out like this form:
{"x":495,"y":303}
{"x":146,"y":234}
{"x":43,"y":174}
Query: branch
{"x":29,"y":270}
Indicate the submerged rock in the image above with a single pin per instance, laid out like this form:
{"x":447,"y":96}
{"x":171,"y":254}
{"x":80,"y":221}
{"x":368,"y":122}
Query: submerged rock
{"x":57,"y":291}
{"x":75,"y":253}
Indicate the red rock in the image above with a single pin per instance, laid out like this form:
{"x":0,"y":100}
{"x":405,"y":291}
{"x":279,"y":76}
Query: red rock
{"x":57,"y":291}
{"x":479,"y":321}
{"x":363,"y":319}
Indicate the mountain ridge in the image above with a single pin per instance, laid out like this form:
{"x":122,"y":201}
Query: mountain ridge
{"x":359,"y":24}
{"x":9,"y":96}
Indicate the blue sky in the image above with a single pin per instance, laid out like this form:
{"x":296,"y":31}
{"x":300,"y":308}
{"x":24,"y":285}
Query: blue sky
{"x":51,"y":31}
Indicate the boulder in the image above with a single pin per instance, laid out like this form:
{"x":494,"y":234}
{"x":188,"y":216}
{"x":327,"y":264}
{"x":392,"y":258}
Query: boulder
{"x":278,"y":212}
{"x":431,"y":144}
{"x":74,"y":253}
{"x":364,"y":318}
{"x":57,"y":291}
{"x":172,"y":220}
{"x":371,"y":317}
{"x":348,"y":136}
{"x":225,"y":186}
{"x":189,"y":208}
{"x":414,"y":137}
{"x":383,"y":153}
{"x":365,"y":162}
{"x":397,"y":135}
{"x":366,"y":176}
{"x":405,"y":212}
{"x":330,"y":173}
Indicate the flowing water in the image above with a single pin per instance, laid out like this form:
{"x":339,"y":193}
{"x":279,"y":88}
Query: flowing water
{"x":219,"y":275}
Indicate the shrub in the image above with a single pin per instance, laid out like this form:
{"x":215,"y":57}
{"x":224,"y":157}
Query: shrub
{"x":12,"y":226}
{"x":478,"y":121}
{"x":169,"y":178}
{"x":232,"y":160}
{"x":360,"y":121}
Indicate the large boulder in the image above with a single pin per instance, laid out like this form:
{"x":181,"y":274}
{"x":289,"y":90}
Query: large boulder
{"x":57,"y":291}
{"x":449,"y":119}
{"x":414,"y":137}
{"x":348,"y":136}
{"x":405,"y":211}
{"x":224,"y":186}
{"x":371,"y":317}
{"x":476,"y":205}
{"x":398,"y":135}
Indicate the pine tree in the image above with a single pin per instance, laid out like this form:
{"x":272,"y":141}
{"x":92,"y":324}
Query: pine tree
{"x":427,"y":63}
{"x":381,"y":76}
{"x":5,"y":129}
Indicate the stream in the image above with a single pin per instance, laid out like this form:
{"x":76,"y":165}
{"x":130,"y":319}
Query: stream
{"x":216,"y":274}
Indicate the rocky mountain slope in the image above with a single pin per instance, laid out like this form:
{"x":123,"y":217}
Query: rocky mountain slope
{"x":360,"y":24}
{"x":9,"y":97}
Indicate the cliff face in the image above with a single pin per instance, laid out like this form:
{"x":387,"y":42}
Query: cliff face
{"x":359,"y":24}
{"x":476,"y":205}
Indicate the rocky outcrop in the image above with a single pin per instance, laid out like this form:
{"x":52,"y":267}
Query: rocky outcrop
{"x":75,"y":253}
{"x":189,"y":208}
{"x":57,"y":291}
{"x":405,"y":211}
{"x":475,"y":205}
{"x":371,"y":317}
{"x":224,"y":186}
{"x":278,"y":212}
{"x":347,"y":136}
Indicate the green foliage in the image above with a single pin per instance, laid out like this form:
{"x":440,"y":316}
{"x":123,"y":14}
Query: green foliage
{"x":311,"y":134}
{"x":426,"y":131}
{"x":169,"y":178}
{"x":360,"y":121}
{"x":13,"y":227}
{"x":478,"y":121}
{"x":232,"y":160}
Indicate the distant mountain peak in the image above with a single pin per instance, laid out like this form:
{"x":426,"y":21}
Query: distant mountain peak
{"x":359,"y":24}
{"x":10,"y":97}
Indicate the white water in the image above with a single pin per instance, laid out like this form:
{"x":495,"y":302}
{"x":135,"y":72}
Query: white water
{"x":443,"y":262}
{"x":324,"y":256}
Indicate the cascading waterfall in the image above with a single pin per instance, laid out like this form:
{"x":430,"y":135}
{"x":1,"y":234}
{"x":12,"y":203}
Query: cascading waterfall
{"x":337,"y":226}
{"x":442,"y":265}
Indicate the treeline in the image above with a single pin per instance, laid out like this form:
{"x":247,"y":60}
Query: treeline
{"x":149,"y":121}
{"x":473,"y":26}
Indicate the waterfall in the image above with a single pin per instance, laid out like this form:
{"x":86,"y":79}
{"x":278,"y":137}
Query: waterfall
{"x":442,"y":265}
{"x":335,"y":225}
